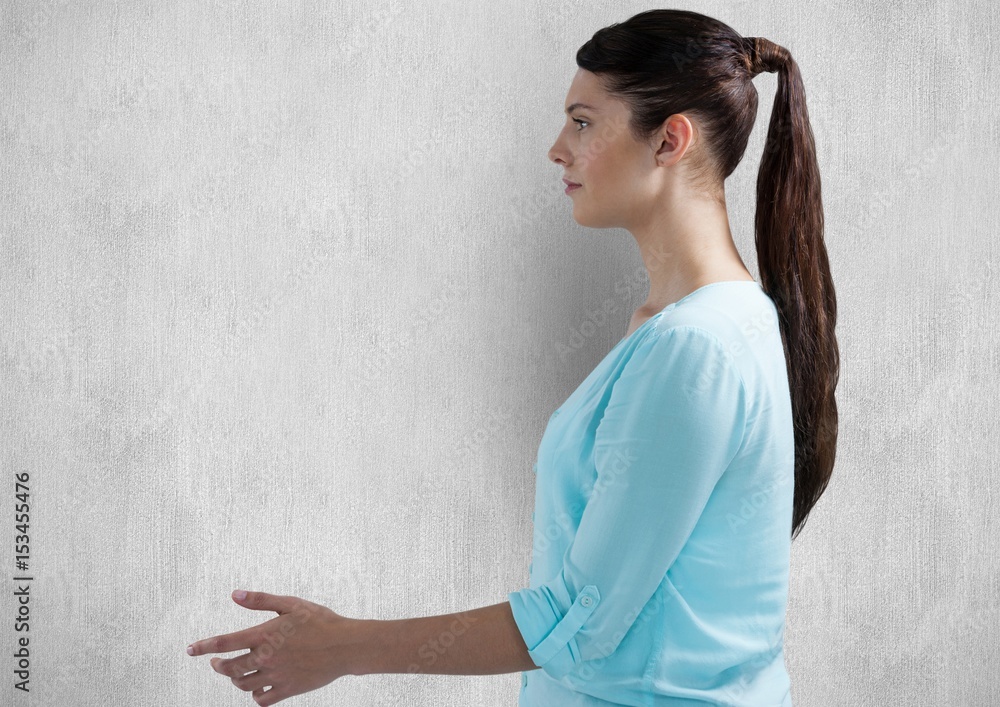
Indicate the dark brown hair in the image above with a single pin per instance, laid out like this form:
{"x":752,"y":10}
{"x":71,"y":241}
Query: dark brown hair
{"x":663,"y":62}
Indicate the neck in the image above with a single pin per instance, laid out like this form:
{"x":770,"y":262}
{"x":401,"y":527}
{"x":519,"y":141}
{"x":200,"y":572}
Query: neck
{"x":684,"y":246}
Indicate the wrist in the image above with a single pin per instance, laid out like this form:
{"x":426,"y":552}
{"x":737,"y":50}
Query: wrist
{"x":362,"y":636}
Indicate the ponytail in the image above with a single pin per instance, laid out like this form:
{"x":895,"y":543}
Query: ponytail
{"x":795,"y":272}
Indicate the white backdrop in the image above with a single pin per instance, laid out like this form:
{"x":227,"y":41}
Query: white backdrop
{"x":289,"y":290}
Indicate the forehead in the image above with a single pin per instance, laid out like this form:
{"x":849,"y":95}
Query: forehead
{"x":586,"y":93}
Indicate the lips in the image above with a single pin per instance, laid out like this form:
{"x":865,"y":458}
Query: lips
{"x":570,"y":184}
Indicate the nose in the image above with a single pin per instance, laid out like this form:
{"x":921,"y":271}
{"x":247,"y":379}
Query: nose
{"x":557,"y":153}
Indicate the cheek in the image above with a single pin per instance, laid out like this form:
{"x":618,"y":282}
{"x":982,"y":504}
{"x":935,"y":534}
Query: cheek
{"x":608,"y":174}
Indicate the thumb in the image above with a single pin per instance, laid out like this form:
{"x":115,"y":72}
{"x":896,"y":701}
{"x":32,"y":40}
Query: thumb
{"x":262,"y":601}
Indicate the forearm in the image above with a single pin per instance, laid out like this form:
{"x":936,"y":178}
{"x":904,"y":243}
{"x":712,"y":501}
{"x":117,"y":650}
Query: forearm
{"x":483,"y":641}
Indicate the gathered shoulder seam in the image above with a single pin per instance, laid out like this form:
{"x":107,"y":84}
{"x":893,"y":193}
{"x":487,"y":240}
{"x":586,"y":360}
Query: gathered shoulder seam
{"x":659,"y":332}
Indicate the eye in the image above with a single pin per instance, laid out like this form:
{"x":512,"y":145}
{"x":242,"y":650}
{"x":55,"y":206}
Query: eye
{"x":581,"y":122}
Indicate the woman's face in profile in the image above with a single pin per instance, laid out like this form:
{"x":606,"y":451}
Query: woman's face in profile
{"x":597,"y":151}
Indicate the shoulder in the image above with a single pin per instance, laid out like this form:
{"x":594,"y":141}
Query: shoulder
{"x":688,"y":338}
{"x":690,"y":359}
{"x":696,"y":320}
{"x":681,"y":379}
{"x":716,"y":332}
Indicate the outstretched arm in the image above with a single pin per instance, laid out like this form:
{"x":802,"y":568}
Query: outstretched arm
{"x":307,"y":646}
{"x":483,"y":641}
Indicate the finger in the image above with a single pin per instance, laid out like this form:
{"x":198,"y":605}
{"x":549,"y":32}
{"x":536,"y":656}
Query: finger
{"x":227,"y":642}
{"x":262,"y":601}
{"x":253,"y":681}
{"x":271,"y":697}
{"x":235,"y":667}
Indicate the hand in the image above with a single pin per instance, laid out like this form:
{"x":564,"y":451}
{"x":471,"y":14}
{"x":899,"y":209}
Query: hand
{"x":304,"y":648}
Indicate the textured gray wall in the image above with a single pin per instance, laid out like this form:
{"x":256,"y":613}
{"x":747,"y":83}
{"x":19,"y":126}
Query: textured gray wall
{"x":287,"y":293}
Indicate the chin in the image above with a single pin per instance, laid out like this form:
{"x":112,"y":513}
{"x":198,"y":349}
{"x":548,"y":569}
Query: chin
{"x":589,"y":220}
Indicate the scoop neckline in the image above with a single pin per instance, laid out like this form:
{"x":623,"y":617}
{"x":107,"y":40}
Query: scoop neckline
{"x":674,"y":304}
{"x":698,"y":289}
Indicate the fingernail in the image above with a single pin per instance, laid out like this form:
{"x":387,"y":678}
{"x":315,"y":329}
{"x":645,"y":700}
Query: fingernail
{"x":190,"y":649}
{"x":239,"y":594}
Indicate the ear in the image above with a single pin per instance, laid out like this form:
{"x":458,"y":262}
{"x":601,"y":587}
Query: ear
{"x":674,"y":138}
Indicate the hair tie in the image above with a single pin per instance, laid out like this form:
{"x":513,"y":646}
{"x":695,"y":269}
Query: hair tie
{"x":764,"y":55}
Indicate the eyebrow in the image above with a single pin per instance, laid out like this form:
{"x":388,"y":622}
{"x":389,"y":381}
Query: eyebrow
{"x":579,"y":105}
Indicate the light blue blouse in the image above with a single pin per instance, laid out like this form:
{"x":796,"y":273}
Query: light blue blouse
{"x":663,"y":517}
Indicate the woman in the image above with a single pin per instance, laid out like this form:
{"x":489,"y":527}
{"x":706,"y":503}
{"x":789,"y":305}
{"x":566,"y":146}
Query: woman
{"x":672,"y":481}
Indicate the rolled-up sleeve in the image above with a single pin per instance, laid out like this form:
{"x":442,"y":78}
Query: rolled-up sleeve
{"x":674,"y":421}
